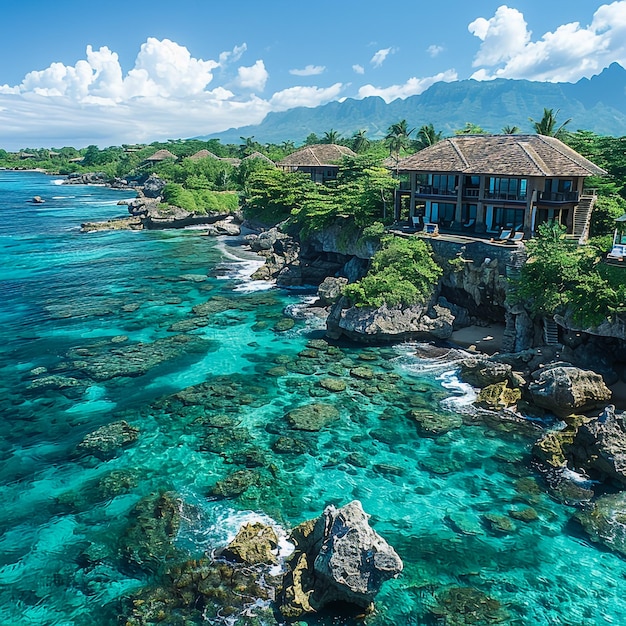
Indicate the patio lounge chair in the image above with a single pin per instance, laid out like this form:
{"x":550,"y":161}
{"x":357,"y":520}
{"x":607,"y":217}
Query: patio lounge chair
{"x":516,"y":237}
{"x":617,"y":253}
{"x":505,"y":235}
{"x":431,"y":229}
{"x":415,"y":222}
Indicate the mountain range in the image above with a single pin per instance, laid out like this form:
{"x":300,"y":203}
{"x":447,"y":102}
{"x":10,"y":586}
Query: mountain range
{"x":597,"y":104}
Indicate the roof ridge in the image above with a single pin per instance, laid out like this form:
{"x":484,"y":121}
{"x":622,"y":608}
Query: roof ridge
{"x":534,"y":157}
{"x":578,"y":159}
{"x":458,"y":151}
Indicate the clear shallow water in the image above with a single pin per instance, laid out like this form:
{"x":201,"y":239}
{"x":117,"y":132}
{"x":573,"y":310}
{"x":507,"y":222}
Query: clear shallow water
{"x":100,"y":327}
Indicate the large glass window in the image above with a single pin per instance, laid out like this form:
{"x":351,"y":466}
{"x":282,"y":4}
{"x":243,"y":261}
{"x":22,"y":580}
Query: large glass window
{"x":443,"y":184}
{"x":497,"y":218}
{"x":442,"y":213}
{"x":508,"y":188}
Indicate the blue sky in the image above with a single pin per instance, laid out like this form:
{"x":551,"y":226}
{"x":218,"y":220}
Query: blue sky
{"x":138,"y":71}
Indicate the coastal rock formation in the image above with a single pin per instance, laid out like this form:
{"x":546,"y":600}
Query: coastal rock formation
{"x":107,"y":440}
{"x":481,"y":371}
{"x":563,"y":390}
{"x":388,"y":323}
{"x":338,"y":558}
{"x":254,"y":544}
{"x":605,"y":521}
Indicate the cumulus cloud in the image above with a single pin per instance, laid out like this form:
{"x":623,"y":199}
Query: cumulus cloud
{"x":233,"y":55}
{"x":569,"y":53}
{"x":309,"y":70}
{"x":358,"y":69}
{"x":304,"y":97}
{"x":413,"y":87}
{"x":379,"y":57}
{"x":434,"y":50}
{"x":253,"y":77}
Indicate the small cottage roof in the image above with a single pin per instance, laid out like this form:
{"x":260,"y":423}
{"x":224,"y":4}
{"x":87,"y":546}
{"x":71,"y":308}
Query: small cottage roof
{"x":318,"y":155}
{"x":161,"y":155}
{"x":501,"y":155}
{"x":258,"y":155}
{"x":203,"y":154}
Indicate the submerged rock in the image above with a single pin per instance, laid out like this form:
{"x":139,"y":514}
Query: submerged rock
{"x":605,"y":521}
{"x":338,"y":558}
{"x":109,"y":439}
{"x":498,"y":396}
{"x":459,"y":606}
{"x":312,"y":417}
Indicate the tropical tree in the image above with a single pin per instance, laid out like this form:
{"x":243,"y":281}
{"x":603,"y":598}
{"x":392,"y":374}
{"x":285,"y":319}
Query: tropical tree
{"x":471,"y":129}
{"x":397,"y":138}
{"x":331,"y":136}
{"x":249,"y":146}
{"x":510,"y":130}
{"x":360,"y":142}
{"x":547,"y":125}
{"x":427,"y":136}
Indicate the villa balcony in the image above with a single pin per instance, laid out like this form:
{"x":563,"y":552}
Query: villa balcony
{"x":429,"y":190}
{"x":508,"y":197}
{"x":559,"y":197}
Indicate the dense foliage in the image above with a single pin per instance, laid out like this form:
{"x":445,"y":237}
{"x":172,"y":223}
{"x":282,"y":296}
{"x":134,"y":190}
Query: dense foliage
{"x":562,"y":277}
{"x":403,"y":272}
{"x":200,"y":201}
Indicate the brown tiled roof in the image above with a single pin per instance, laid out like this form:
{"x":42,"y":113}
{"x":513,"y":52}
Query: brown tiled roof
{"x":203,"y":154}
{"x":259,"y":155}
{"x":161,"y":155}
{"x":518,"y":155}
{"x":316,"y":156}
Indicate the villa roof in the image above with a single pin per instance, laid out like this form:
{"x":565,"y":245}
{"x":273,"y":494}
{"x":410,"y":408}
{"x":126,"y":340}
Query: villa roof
{"x":519,"y":155}
{"x":319,"y":155}
{"x":161,"y":155}
{"x":203,"y":154}
{"x":259,"y":155}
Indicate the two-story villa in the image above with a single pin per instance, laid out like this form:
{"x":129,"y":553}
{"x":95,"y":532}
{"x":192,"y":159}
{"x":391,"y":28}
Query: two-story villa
{"x":483,"y":184}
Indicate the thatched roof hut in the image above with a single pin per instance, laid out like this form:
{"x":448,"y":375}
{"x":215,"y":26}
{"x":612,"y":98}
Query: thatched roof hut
{"x":203,"y":154}
{"x":319,"y":155}
{"x":159,"y":156}
{"x":501,"y":155}
{"x":259,"y":155}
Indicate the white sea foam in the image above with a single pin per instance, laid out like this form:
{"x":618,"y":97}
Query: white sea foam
{"x":464,"y":396}
{"x":57,"y":181}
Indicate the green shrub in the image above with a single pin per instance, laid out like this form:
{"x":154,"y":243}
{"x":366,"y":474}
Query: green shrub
{"x":403,"y":272}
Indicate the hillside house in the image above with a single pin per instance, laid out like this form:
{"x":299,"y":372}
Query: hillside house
{"x":320,"y":161}
{"x":486,"y":184}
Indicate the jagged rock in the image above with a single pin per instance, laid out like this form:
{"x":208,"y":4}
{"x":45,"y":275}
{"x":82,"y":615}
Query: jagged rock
{"x":224,"y":227}
{"x":388,"y":323}
{"x":330,"y":290}
{"x":153,"y":186}
{"x":605,"y":521}
{"x":565,"y":390}
{"x":254,"y":544}
{"x":338,"y":558}
{"x":481,"y":371}
{"x":604,"y":442}
{"x":497,"y":396}
{"x":107,"y":440}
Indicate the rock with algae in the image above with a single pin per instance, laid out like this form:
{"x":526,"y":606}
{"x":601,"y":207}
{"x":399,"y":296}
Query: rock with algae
{"x":459,"y":606}
{"x":338,"y":558}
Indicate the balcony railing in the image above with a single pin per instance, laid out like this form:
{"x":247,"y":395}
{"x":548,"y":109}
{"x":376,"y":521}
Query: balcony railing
{"x":559,"y":196}
{"x":514,"y":197}
{"x":429,"y":190}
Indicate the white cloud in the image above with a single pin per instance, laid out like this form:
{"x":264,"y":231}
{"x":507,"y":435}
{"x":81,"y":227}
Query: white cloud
{"x":253,"y":77}
{"x":567,"y":54}
{"x":359,"y":69}
{"x":434,"y":50}
{"x":309,"y":70}
{"x":379,"y":57}
{"x":413,"y":87}
{"x":233,"y":56}
{"x":304,"y":97}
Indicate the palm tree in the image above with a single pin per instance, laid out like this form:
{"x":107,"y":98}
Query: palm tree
{"x":510,"y":130}
{"x":427,"y":136}
{"x":331,"y":136}
{"x":249,"y":146}
{"x":547,"y":125}
{"x":359,"y":141}
{"x":397,"y":138}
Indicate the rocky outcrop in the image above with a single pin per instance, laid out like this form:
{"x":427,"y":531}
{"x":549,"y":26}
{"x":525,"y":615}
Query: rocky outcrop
{"x":388,"y":323}
{"x":338,"y":558}
{"x":563,"y":390}
{"x":254,"y":544}
{"x":108,"y":440}
{"x":605,"y":521}
{"x":88,"y":178}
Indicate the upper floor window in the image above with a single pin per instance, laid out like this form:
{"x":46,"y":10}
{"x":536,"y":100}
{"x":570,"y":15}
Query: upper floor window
{"x":508,"y":188}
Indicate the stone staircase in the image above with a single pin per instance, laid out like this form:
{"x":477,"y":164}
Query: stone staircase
{"x":550,"y":331}
{"x":514,"y":266}
{"x":582,"y":219}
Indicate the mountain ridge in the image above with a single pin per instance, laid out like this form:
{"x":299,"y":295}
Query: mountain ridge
{"x":597,"y":104}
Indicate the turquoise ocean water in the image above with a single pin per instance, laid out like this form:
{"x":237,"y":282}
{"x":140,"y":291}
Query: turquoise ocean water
{"x":166,"y":331}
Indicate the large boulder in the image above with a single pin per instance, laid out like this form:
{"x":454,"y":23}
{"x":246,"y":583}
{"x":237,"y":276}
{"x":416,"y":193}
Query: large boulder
{"x":481,"y":371}
{"x":388,"y":323}
{"x":338,"y":558}
{"x":254,"y":544}
{"x":153,"y":186}
{"x":565,"y":390}
{"x":605,"y":521}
